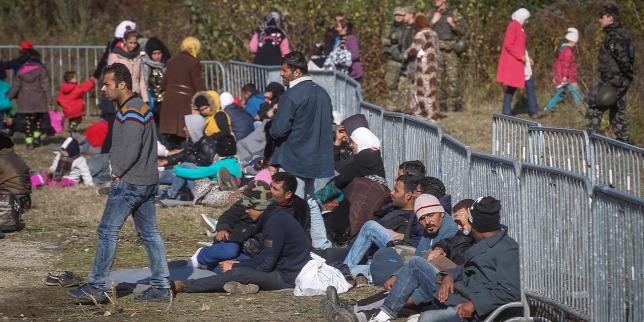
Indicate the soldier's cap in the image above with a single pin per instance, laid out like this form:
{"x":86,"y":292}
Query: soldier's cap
{"x":257,"y":195}
{"x":399,"y":11}
{"x":409,"y":9}
{"x":609,"y":9}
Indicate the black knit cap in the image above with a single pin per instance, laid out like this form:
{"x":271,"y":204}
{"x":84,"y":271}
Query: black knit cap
{"x":353,"y":122}
{"x":201,"y":101}
{"x":485,"y":214}
{"x":610,"y":9}
{"x":71,"y":146}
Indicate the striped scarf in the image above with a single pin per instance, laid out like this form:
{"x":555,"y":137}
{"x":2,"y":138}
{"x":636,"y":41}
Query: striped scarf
{"x":64,"y":167}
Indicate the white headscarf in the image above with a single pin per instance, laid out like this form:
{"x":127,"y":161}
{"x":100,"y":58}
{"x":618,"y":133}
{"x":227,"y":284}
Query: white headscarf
{"x":195,"y":125}
{"x":365,"y":139}
{"x":226,"y":99}
{"x":521,"y":15}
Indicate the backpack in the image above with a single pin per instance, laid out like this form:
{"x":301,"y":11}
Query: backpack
{"x":9,"y":211}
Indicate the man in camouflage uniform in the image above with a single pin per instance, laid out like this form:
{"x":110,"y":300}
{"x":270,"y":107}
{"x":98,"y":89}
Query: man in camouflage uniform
{"x":397,"y":39}
{"x":616,"y":59}
{"x":450,"y":27}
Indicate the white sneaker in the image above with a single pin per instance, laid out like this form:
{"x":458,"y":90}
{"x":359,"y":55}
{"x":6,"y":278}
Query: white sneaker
{"x":193,"y":262}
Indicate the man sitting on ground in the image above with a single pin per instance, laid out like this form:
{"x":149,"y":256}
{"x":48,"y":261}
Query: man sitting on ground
{"x":285,"y":250}
{"x":488,"y":279}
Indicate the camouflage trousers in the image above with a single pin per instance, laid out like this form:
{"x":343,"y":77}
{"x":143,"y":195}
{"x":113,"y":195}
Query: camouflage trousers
{"x":392,"y":73}
{"x":449,"y":84}
{"x":617,"y":112}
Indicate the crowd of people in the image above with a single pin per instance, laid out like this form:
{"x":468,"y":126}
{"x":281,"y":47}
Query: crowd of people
{"x":295,"y":176}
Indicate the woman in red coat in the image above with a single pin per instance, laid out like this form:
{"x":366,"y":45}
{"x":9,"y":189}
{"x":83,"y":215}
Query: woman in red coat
{"x":515,"y":66}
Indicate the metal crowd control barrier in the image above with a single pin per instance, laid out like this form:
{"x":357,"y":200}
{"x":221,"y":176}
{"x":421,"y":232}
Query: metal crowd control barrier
{"x":422,"y":141}
{"x":618,"y":257}
{"x":510,"y":137}
{"x":455,"y":167}
{"x":374,"y":114}
{"x":214,"y":75}
{"x":557,"y":240}
{"x":393,"y":150}
{"x":617,"y":164}
{"x":496,"y":176}
{"x":561,"y":148}
{"x":344,"y":91}
{"x":240,"y":74}
{"x":60,"y":59}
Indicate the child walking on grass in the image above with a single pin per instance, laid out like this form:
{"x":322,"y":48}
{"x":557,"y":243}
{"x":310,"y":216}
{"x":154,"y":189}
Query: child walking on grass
{"x":565,"y":71}
{"x":32,"y":87}
{"x":70,"y":98}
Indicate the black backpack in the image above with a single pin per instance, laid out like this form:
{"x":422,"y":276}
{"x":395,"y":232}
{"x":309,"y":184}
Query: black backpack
{"x":10,"y":211}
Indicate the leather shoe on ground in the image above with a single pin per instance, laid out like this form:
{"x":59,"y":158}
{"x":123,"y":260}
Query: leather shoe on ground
{"x":240,"y":289}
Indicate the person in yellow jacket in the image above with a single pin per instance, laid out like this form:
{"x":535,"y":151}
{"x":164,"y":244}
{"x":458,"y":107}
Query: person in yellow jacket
{"x":217,"y":121}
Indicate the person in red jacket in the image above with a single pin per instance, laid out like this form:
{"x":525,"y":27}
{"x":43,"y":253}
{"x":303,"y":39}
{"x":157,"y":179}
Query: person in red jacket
{"x":565,"y":71}
{"x":70,"y":98}
{"x":515,"y":66}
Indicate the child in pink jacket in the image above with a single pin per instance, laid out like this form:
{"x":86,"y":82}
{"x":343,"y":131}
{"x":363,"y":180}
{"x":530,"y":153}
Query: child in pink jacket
{"x":565,"y":71}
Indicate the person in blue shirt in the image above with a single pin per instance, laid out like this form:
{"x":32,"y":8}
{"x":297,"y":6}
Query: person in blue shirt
{"x":254,"y":99}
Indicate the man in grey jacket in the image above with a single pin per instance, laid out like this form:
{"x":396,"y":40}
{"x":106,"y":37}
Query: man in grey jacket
{"x":488,"y":279}
{"x":134,"y":184}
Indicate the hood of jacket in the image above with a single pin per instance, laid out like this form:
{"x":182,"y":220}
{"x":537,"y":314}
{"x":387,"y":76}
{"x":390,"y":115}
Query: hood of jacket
{"x":67,"y":88}
{"x":213,"y":100}
{"x":30,"y":72}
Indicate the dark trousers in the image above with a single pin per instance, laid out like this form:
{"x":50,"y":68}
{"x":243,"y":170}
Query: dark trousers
{"x":107,"y":144}
{"x":265,"y":280}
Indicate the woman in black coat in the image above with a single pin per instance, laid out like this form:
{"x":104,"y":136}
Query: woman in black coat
{"x":367,"y":161}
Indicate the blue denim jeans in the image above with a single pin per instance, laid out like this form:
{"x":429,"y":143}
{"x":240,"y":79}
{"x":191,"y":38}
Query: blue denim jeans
{"x":306,"y":188}
{"x":418,"y":273}
{"x":125,"y":199}
{"x":178,"y":182}
{"x":372,"y":233}
{"x":221,"y":251}
{"x":531,"y":95}
{"x":449,"y":314}
{"x":559,"y":95}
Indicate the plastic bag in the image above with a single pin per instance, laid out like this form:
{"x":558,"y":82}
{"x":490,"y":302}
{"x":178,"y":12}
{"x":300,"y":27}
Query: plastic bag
{"x":56,"y":118}
{"x":316,"y":276}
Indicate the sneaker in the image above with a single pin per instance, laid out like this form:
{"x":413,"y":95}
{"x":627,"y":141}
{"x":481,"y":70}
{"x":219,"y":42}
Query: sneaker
{"x":67,"y":279}
{"x":226,"y":180}
{"x":334,"y":313}
{"x":88,"y":292}
{"x":210,"y":224}
{"x":154,"y":294}
{"x":240,"y":289}
{"x":36,"y":140}
{"x":103,"y":191}
{"x":30,"y":146}
{"x":51,"y":280}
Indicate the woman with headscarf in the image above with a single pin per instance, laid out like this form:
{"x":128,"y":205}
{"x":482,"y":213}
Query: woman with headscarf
{"x":367,"y":161}
{"x":156,"y":55}
{"x":515,"y":66}
{"x":269,"y":43}
{"x":424,"y":49}
{"x":180,"y":82}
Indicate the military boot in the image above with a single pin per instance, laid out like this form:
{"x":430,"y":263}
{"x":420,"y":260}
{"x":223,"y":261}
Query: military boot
{"x":458,"y":107}
{"x":443,"y":107}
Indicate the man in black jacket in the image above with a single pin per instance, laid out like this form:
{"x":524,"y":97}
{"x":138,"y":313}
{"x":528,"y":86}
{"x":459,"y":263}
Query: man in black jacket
{"x":285,"y":250}
{"x":283,"y":189}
